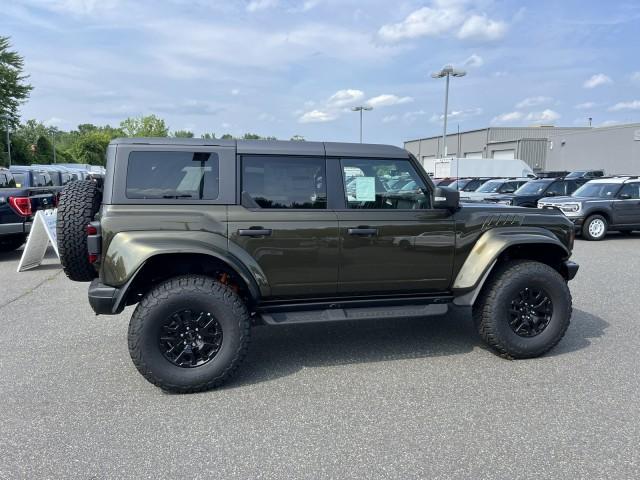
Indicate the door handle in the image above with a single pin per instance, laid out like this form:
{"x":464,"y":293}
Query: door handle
{"x":254,"y":232}
{"x":363,"y":232}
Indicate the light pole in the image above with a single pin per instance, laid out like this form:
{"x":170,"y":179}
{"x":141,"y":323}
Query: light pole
{"x":53,"y":138}
{"x":6,"y":118}
{"x":447,"y":71}
{"x":360,"y":109}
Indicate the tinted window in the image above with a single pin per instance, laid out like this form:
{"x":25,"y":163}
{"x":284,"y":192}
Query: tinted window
{"x":285,"y":182}
{"x":56,"y":179}
{"x":173,"y":175}
{"x":631,"y":189}
{"x":557,"y":188}
{"x":6,"y":181}
{"x":534,"y":187}
{"x":597,"y":190}
{"x":19,"y":178}
{"x":369,"y":185}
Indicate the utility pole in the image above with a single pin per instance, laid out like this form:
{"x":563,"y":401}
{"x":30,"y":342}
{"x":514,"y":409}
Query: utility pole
{"x":360,"y":109}
{"x":53,"y":137}
{"x":446,"y":72}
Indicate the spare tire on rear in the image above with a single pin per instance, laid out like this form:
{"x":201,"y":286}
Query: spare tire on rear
{"x":78,"y":205}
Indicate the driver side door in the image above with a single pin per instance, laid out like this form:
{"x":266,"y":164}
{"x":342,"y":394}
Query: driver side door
{"x":391,"y":239}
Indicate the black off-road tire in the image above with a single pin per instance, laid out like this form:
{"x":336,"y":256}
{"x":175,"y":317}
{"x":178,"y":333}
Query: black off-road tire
{"x":78,"y":205}
{"x":491,"y":310}
{"x":9,"y":244}
{"x":586,"y":227}
{"x":194,"y":292}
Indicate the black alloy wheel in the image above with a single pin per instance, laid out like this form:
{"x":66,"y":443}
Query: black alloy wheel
{"x":530,"y":312}
{"x":190,"y":338}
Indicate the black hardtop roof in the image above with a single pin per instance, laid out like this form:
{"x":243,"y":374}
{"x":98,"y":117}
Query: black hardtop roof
{"x":27,"y":168}
{"x":278,"y":147}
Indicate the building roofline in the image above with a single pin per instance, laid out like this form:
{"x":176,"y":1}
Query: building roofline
{"x":546,"y":127}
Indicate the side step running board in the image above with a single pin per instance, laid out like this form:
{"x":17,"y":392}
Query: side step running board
{"x":353,"y":313}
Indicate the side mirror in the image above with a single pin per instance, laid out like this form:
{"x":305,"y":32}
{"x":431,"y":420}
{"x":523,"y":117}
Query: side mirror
{"x":551,"y":194}
{"x":625,"y":196}
{"x":446,"y":198}
{"x":508,"y":190}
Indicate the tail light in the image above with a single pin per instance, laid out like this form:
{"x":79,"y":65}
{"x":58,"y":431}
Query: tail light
{"x":22,"y":205}
{"x":94,"y":241}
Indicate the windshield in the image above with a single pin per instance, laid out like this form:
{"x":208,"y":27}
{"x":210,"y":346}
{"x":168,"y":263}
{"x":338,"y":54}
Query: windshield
{"x":534,"y":187}
{"x":491,"y":186}
{"x":597,"y":190}
{"x":459,"y":184}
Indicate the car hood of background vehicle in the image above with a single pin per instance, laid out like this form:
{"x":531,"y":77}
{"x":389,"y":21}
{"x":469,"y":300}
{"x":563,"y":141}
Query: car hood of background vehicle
{"x":563,"y":199}
{"x":477,"y":195}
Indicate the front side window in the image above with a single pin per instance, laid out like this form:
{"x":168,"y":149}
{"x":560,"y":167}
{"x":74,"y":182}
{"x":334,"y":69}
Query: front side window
{"x":383,"y":184}
{"x":597,"y":190}
{"x":285,"y":182}
{"x":534,"y":187}
{"x":631,"y":191}
{"x":173,"y":175}
{"x":557,"y":188}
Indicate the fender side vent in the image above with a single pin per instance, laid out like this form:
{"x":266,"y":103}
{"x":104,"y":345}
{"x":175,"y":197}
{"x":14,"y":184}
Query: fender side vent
{"x":501,"y":220}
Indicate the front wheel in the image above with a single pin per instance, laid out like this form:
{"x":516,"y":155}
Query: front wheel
{"x":189,"y":334}
{"x":524,"y":309}
{"x":595,"y":227}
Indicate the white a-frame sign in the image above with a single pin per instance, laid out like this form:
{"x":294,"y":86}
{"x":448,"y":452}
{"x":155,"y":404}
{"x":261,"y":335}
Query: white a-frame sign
{"x":43,"y":232}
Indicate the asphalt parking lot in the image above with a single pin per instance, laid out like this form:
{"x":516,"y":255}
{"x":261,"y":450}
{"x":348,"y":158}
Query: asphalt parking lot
{"x":394,"y":399}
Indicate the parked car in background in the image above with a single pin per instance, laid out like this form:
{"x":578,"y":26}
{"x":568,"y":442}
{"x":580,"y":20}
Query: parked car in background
{"x":529,"y":193}
{"x":600,"y":206}
{"x":468,"y":184}
{"x":586,"y":174}
{"x":493,"y":188}
{"x":18,"y":203}
{"x":60,"y":175}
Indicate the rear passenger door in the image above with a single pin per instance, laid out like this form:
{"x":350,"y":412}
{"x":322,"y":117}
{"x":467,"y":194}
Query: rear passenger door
{"x":284,"y":224}
{"x":391,"y":240}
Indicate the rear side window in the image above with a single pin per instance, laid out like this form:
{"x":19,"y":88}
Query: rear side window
{"x":557,"y":188}
{"x":41,"y":179}
{"x":6,"y":181}
{"x":631,"y":190}
{"x":19,"y":178}
{"x":173,"y":175}
{"x":285,"y":182}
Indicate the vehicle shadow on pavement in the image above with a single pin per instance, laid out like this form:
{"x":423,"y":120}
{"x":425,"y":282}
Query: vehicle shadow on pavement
{"x":584,"y":327}
{"x":15,"y":255}
{"x":277,"y":352}
{"x":284,"y":350}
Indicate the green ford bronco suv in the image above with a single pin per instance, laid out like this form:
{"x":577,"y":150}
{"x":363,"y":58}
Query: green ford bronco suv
{"x":211,"y":237}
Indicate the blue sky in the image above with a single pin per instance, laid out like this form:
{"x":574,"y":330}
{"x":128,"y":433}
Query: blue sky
{"x":285,"y":67}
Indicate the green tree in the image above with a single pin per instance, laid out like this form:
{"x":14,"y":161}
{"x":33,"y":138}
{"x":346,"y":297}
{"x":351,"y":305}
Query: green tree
{"x":297,"y":138}
{"x":208,"y":136}
{"x":226,"y":136}
{"x":44,"y":150}
{"x":13,"y":87}
{"x":145,"y":126}
{"x":183,"y":134}
{"x":91,"y":148}
{"x":32,"y":130}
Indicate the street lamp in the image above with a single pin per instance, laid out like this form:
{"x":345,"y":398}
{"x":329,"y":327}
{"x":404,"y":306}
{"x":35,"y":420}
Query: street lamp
{"x":360,"y":109}
{"x":447,"y":71}
{"x":7,"y":118}
{"x":53,"y":138}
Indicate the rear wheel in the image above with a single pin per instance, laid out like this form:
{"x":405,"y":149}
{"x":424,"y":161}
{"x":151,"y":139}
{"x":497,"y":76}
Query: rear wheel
{"x":524,"y":309}
{"x":595,"y":227}
{"x":189,"y":334}
{"x":79,"y":203}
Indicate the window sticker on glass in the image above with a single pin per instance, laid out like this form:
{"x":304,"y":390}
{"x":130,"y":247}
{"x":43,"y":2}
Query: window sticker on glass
{"x":365,"y":189}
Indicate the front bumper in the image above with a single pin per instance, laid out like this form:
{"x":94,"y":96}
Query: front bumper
{"x":105,"y":300}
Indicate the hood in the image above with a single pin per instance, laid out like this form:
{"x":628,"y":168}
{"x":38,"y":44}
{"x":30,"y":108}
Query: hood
{"x":476,"y":195}
{"x":564,"y":199}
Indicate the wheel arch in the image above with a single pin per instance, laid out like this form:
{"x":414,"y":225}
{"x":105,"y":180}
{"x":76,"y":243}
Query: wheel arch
{"x":606,"y":214}
{"x":502,"y":245}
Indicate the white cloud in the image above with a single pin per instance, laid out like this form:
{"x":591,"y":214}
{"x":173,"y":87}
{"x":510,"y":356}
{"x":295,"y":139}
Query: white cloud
{"x":344,"y":98}
{"x":441,"y":18}
{"x":480,"y":27}
{"x":53,"y":122}
{"x":635,"y":77}
{"x":456,"y":115}
{"x":597,"y":80}
{"x":389,"y":118}
{"x":317,"y":116}
{"x":474,"y":61}
{"x":533,"y":101}
{"x":387,"y":100}
{"x":620,"y":106}
{"x":256,"y":5}
{"x":507,"y":117}
{"x":546,"y":116}
{"x":585,"y":106}
{"x":411,"y":117}
{"x":235,"y":91}
{"x":610,"y":123}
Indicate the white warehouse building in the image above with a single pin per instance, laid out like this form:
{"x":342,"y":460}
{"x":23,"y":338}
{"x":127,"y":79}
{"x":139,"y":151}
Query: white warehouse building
{"x":614,"y":149}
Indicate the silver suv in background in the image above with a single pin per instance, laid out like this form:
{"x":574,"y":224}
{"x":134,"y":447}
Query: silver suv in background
{"x":492,"y":188}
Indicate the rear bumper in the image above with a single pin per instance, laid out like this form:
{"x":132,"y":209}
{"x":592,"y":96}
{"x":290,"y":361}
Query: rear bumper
{"x":104,"y":300}
{"x":571,"y":269}
{"x":14,"y":228}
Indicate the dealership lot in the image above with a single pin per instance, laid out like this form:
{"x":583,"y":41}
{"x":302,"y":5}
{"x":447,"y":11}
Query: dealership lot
{"x":400,"y":399}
